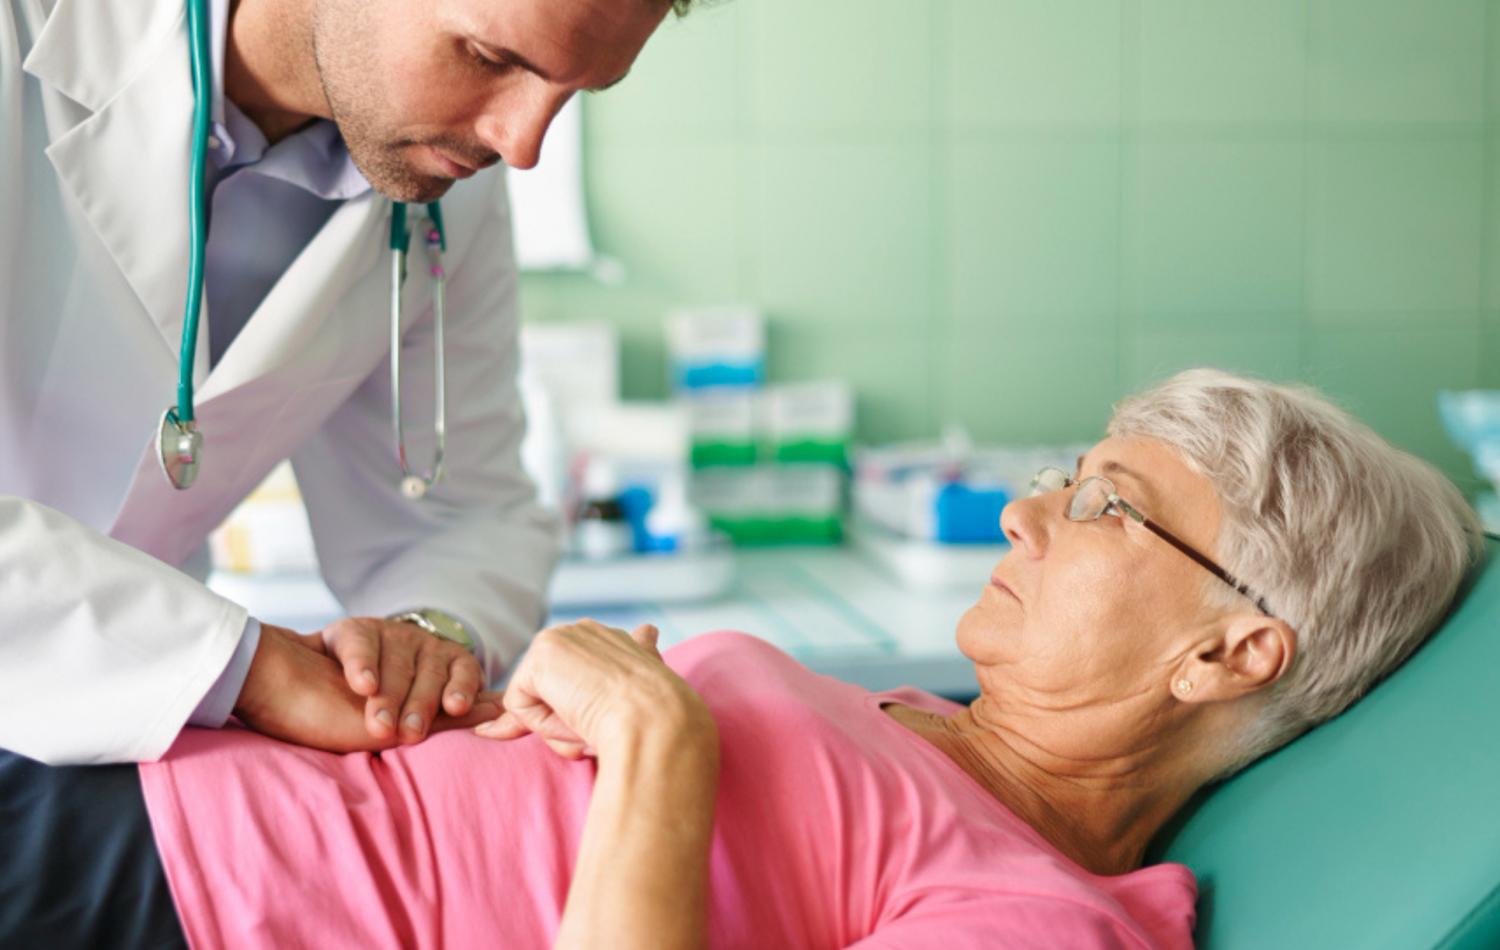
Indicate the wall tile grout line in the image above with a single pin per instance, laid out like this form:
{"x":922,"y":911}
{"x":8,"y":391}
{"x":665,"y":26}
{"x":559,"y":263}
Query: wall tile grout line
{"x":1309,"y":169}
{"x":1486,"y":159}
{"x":940,"y":305}
{"x":1127,"y":248}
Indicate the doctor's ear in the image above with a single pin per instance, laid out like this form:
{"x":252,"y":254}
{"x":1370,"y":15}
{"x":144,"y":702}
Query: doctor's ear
{"x":1253,"y":653}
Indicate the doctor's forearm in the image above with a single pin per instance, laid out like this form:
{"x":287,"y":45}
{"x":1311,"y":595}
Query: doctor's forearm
{"x":138,"y":637}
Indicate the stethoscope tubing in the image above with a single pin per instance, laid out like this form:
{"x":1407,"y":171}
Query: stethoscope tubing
{"x":413,"y":485}
{"x":180,"y":441}
{"x":197,"y":206}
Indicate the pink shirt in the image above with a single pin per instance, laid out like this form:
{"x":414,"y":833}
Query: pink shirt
{"x":835,"y":827}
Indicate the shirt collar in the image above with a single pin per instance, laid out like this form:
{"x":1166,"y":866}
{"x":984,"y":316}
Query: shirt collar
{"x":313,"y":158}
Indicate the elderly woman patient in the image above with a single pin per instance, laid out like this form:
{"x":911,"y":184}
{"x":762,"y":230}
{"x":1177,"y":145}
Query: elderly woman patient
{"x":1236,"y":563}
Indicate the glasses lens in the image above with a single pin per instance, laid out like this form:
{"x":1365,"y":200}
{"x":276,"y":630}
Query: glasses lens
{"x":1049,"y":480}
{"x":1091,"y":498}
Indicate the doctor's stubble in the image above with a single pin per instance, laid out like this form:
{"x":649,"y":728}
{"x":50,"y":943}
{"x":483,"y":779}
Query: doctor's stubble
{"x":347,"y":49}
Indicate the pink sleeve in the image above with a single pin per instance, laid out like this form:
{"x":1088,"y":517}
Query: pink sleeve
{"x":1004,"y":922}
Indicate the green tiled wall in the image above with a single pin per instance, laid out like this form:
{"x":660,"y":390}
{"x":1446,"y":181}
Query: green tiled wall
{"x":1008,"y":213}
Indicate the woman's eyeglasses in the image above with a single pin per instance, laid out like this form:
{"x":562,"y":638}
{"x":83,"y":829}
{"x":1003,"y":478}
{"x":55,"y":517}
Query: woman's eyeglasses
{"x":1096,"y":496}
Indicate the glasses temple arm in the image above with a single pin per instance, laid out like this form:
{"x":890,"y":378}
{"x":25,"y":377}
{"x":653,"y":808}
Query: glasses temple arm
{"x":1208,"y":565}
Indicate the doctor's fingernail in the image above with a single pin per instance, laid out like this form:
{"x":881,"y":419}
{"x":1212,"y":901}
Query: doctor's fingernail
{"x":414,"y":721}
{"x":385,"y":717}
{"x":458,"y":697}
{"x":369,"y":676}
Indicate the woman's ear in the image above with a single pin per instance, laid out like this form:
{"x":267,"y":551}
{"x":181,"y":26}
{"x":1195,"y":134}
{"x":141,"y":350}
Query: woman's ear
{"x":1252,"y":654}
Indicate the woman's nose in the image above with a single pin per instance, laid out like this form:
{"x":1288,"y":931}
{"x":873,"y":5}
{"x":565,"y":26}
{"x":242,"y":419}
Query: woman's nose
{"x":1026,"y":524}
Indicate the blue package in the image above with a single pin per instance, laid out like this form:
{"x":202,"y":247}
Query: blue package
{"x":635,"y":502}
{"x":746,"y":375}
{"x":969,"y":515}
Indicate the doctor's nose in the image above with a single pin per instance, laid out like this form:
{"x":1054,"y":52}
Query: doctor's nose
{"x":516,"y":126}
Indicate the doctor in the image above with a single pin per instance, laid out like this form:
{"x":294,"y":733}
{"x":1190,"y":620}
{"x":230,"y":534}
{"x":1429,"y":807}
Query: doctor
{"x":323,"y":111}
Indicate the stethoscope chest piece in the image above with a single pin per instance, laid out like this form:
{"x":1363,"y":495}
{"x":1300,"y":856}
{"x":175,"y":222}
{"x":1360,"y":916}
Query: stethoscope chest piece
{"x":181,"y":450}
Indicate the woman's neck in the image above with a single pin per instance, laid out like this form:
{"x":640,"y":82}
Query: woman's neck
{"x":1101,"y":816}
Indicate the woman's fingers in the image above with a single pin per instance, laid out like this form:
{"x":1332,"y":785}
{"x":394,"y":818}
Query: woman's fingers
{"x":647,"y":635}
{"x":486,"y":709}
{"x":512,"y":724}
{"x":571,"y":750}
{"x":504,"y":727}
{"x":577,"y":682}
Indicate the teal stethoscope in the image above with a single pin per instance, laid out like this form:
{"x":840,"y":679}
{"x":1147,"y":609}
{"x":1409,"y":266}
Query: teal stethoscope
{"x":181,"y":441}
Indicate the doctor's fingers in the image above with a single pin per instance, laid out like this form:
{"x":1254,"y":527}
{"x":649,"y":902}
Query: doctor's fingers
{"x":356,"y":643}
{"x":445,"y":677}
{"x":484,"y":710}
{"x":409,"y":687}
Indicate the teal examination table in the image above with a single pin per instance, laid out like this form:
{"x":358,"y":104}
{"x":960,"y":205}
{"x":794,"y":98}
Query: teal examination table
{"x":1381,"y":829}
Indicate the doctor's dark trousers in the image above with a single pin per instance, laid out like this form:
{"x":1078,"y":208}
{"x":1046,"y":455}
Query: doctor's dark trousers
{"x":78,"y":865}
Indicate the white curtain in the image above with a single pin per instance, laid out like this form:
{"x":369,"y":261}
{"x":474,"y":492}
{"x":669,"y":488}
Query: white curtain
{"x":552,"y":229}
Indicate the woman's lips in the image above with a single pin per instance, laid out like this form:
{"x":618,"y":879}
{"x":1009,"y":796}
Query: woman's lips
{"x":995,"y":581}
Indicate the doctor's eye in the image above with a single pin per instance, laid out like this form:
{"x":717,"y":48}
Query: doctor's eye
{"x":484,"y":60}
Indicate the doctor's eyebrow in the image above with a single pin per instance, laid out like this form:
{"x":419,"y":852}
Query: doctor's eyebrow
{"x":507,"y":55}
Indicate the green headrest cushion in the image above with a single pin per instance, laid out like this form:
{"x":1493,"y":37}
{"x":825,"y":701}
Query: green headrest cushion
{"x":1378,"y":829}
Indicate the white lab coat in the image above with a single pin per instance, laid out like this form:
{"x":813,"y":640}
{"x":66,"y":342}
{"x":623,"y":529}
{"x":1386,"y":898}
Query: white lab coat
{"x":104,"y":650}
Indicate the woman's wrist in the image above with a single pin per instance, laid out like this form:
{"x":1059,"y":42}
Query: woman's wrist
{"x":652,"y":811}
{"x":672,"y":720}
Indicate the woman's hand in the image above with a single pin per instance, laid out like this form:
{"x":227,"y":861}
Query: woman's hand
{"x":641,"y":878}
{"x":586,"y":688}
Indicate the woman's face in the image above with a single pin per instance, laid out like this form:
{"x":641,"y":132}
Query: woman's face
{"x":1096,"y":614}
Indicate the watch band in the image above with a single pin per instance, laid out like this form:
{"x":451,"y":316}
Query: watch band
{"x":439,"y":624}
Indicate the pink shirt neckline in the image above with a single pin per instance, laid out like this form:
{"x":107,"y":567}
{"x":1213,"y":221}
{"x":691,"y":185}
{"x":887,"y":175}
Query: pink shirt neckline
{"x":901,"y":696}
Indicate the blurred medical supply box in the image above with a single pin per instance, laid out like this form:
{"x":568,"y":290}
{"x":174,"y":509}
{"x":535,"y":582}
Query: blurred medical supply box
{"x":929,"y":511}
{"x":1472,"y":420}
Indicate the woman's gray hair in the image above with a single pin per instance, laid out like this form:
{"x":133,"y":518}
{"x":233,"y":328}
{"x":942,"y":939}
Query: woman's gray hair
{"x":1358,"y":546}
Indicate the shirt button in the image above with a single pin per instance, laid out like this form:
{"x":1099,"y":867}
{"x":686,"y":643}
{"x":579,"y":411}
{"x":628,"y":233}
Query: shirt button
{"x":213,"y":142}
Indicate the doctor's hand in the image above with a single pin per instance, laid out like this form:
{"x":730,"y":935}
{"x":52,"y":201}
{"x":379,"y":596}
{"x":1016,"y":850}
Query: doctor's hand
{"x":296,"y":692}
{"x":405,"y":673}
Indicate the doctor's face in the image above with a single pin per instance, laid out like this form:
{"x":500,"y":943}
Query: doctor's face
{"x":429,"y":91}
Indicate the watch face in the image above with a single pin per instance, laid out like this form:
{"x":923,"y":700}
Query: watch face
{"x":448,"y":628}
{"x":439,"y":625}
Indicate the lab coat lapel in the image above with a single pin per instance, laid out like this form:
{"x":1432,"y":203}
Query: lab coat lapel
{"x":129,"y":64}
{"x":284,"y":336}
{"x":298,"y":356}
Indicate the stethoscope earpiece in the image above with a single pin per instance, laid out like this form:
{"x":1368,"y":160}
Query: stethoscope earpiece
{"x":413,"y":487}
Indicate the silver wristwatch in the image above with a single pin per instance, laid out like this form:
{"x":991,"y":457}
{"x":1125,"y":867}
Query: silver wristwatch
{"x":438,"y":624}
